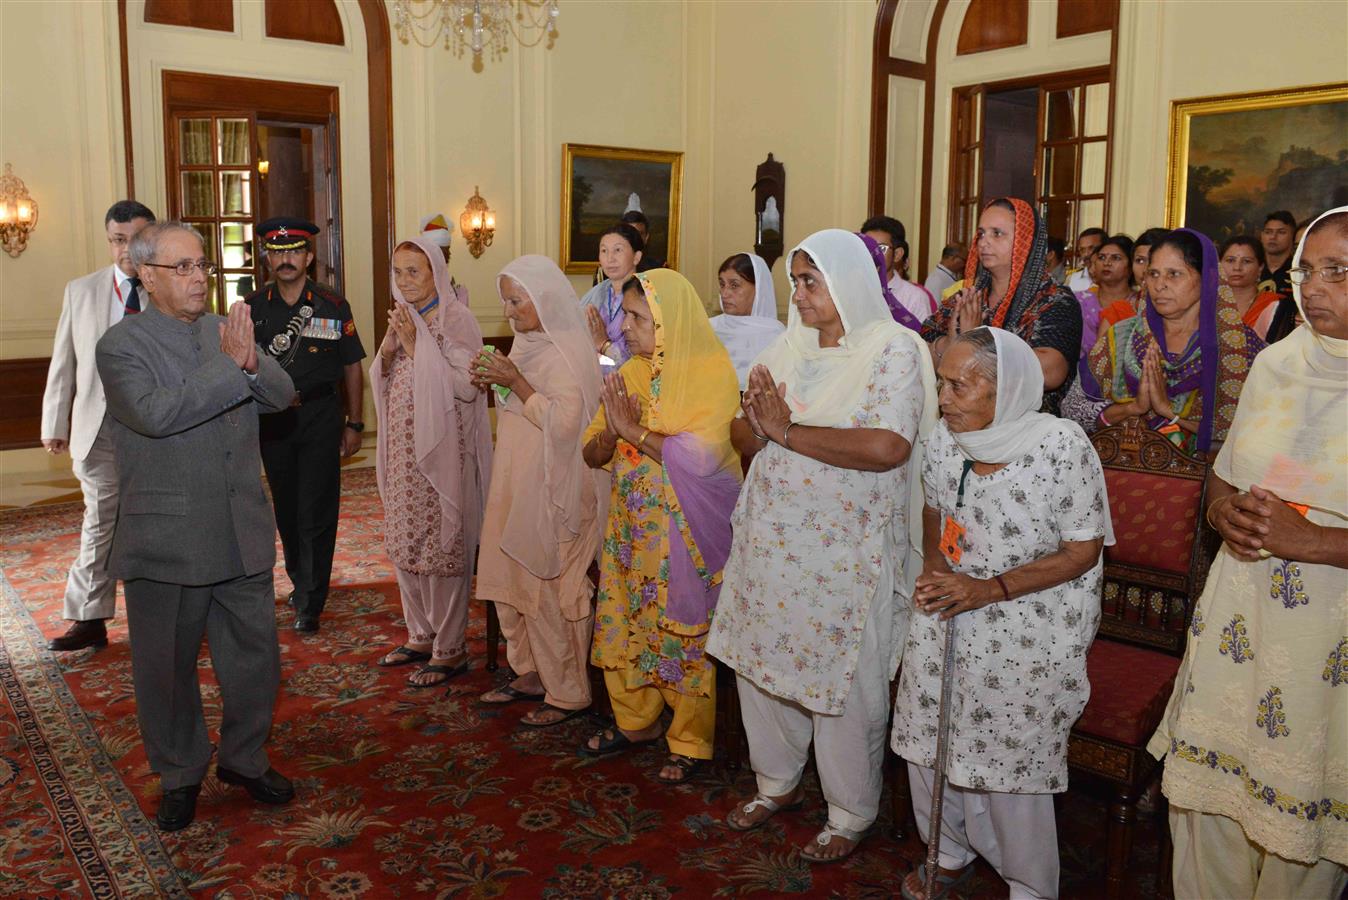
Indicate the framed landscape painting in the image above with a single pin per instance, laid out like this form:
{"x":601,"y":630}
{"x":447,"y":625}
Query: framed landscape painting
{"x":599,"y":184}
{"x":1235,"y":158}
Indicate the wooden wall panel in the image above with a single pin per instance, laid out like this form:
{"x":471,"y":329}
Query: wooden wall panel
{"x":316,"y":21}
{"x":22,"y":382}
{"x":213,"y":15}
{"x":1085,"y":16}
{"x":994,"y":25}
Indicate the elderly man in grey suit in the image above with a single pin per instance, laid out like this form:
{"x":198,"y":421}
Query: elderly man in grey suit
{"x":195,"y":540}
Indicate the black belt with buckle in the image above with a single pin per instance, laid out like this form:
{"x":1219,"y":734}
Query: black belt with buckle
{"x":317,"y":393}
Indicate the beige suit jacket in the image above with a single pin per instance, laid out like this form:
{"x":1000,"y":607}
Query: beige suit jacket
{"x":73,"y":404}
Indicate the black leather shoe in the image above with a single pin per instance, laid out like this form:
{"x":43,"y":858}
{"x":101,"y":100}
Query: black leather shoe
{"x":79,"y":635}
{"x":177,"y":808}
{"x":306,"y":624}
{"x":269,"y":787}
{"x":291,"y":600}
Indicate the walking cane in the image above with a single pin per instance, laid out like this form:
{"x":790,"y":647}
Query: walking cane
{"x":942,"y":750}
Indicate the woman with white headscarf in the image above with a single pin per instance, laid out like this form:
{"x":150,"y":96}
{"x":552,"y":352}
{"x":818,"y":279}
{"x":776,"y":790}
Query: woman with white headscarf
{"x":814,"y":604}
{"x":1255,"y":740}
{"x":748,"y":322}
{"x":1016,"y":516}
{"x":433,"y":462}
{"x":541,"y":529}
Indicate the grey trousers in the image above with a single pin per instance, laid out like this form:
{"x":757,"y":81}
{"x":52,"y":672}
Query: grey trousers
{"x":166,"y":624}
{"x":90,"y":593}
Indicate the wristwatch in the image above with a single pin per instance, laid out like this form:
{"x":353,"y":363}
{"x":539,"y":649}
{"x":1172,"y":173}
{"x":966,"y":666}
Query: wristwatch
{"x":357,"y":427}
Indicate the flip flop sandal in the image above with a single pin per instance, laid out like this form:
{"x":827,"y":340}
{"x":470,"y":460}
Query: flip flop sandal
{"x":566,"y":715}
{"x":824,"y":838}
{"x":514,"y":693}
{"x":945,"y":884}
{"x":761,"y":802}
{"x":447,"y":671}
{"x":402,"y":656}
{"x":612,"y":740}
{"x":687,"y":766}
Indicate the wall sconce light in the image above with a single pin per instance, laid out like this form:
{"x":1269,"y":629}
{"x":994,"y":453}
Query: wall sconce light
{"x":477,"y":224}
{"x":18,"y":213}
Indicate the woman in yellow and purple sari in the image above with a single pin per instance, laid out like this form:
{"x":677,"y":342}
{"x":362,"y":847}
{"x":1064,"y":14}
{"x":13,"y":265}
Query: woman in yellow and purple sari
{"x":664,"y":430}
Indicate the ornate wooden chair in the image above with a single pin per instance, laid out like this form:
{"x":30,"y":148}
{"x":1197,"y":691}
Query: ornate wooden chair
{"x":1153,"y":576}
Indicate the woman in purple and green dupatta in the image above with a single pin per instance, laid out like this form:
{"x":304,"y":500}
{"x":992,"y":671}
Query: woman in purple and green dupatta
{"x":1182,"y":363}
{"x":664,"y":431}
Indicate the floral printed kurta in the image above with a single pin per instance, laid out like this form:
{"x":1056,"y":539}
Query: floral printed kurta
{"x":412,"y":528}
{"x":1020,"y":666}
{"x":631,"y":632}
{"x":1257,"y":729}
{"x":814,"y":545}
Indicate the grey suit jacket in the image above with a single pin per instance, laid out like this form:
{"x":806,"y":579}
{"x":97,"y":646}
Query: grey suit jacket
{"x":183,"y":417}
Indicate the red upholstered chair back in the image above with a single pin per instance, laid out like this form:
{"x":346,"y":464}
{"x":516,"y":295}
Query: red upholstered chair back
{"x":1156,"y":569}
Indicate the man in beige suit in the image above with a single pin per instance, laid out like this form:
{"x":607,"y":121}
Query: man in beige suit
{"x":72,"y":419}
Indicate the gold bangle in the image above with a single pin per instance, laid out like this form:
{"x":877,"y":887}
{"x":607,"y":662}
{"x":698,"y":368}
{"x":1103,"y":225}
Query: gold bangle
{"x":641,"y":441}
{"x":1207,"y":516}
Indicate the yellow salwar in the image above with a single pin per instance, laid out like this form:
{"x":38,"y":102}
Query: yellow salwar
{"x":637,"y":705}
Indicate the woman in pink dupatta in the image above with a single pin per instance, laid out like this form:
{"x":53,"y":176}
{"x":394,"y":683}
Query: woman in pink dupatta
{"x":434,"y":459}
{"x":541,"y":530}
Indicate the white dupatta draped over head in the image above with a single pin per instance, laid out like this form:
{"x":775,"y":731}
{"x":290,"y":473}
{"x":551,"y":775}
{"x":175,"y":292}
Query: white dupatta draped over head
{"x":744,"y":337}
{"x":1018,"y":428}
{"x":1290,"y":432}
{"x":824,"y":385}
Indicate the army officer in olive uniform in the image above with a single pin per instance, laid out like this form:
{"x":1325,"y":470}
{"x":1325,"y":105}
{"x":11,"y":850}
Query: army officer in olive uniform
{"x":308,"y":328}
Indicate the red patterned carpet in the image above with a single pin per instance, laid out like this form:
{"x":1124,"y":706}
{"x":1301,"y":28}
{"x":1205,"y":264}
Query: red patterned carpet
{"x":401,"y":793}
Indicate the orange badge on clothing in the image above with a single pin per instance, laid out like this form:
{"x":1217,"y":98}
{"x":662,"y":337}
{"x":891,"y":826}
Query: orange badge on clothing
{"x":951,"y":534}
{"x":349,"y":329}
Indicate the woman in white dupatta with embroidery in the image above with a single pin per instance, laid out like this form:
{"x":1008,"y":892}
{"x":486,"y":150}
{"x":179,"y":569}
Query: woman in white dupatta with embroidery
{"x":1255,"y":740}
{"x":813,"y":607}
{"x":433,"y":462}
{"x":748,"y":322}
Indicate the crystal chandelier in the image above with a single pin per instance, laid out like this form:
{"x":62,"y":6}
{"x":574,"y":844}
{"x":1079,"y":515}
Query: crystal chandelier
{"x":476,"y":25}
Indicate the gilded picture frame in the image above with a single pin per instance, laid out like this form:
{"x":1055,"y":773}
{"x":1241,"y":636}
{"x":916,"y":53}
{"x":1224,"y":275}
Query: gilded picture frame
{"x":600,"y":183}
{"x":1234,"y":158}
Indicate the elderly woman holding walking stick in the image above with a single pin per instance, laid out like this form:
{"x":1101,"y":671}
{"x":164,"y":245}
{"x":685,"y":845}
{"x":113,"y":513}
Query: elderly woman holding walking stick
{"x":1015,"y":518}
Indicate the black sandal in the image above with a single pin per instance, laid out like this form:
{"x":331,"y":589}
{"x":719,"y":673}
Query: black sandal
{"x":514,"y":693}
{"x":612,"y":740}
{"x":687,"y":766}
{"x":402,"y":656}
{"x":567,"y":714}
{"x":447,"y":671}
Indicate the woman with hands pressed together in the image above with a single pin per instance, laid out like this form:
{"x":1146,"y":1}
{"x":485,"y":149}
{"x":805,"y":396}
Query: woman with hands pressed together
{"x":1180,"y":364}
{"x":817,"y":589}
{"x":1007,"y":285}
{"x":620,"y":249}
{"x":664,"y":431}
{"x":1255,"y":740}
{"x":1016,"y":516}
{"x":541,"y":529}
{"x":433,"y":461}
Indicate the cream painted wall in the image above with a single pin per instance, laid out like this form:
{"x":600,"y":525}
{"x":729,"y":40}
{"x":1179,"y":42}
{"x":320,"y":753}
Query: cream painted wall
{"x":797,"y":86}
{"x":1160,"y":61}
{"x":60,"y":127}
{"x":725,"y":102}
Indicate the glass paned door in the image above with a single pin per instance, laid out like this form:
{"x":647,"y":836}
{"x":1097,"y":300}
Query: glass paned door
{"x":212,"y":170}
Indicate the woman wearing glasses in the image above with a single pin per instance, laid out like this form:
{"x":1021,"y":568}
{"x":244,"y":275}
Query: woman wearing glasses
{"x":1255,"y":741}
